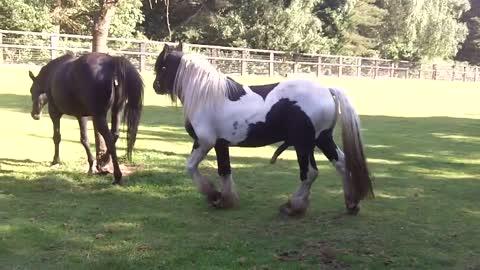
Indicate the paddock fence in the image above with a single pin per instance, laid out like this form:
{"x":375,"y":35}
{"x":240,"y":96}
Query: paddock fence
{"x":35,"y":48}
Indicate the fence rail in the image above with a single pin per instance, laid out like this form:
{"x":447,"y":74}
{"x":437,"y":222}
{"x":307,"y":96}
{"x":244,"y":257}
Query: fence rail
{"x":19,"y":47}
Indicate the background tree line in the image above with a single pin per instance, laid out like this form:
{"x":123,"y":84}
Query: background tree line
{"x":397,"y":29}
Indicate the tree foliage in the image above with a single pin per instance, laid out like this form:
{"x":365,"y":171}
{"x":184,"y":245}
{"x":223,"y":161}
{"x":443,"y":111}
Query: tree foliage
{"x":363,"y":32}
{"x":423,"y":29}
{"x":470,"y":50}
{"x":30,"y":15}
{"x":398,"y":29}
{"x":273,"y":25}
{"x":71,"y":16}
{"x":335,"y":16}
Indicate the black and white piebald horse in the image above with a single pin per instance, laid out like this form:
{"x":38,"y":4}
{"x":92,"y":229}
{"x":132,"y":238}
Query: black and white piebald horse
{"x":220,"y":112}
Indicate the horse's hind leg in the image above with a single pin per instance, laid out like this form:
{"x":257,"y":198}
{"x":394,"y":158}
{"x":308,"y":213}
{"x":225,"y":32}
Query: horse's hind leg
{"x":83,"y":121}
{"x":200,"y":150}
{"x":326,"y":143}
{"x":116,"y":119}
{"x":100,"y":123}
{"x":308,"y":173}
{"x":229,"y":195}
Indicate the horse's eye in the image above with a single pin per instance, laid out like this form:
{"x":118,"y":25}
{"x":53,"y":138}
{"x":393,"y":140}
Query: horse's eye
{"x":164,"y":68}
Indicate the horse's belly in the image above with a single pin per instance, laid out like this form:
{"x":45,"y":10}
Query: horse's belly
{"x":70,"y":108}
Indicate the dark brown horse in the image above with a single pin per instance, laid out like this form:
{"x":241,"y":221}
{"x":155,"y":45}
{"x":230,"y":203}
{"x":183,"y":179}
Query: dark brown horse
{"x":90,"y":86}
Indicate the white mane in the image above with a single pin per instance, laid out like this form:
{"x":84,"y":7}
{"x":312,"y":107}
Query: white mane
{"x":198,"y":84}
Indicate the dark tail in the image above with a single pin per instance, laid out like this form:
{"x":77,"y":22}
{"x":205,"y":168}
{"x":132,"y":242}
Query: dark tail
{"x":129,"y":86}
{"x":355,"y":161}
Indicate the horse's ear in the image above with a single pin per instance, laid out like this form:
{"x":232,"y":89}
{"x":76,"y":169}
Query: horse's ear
{"x":180,"y":46}
{"x":165,"y":51}
{"x":30,"y":73}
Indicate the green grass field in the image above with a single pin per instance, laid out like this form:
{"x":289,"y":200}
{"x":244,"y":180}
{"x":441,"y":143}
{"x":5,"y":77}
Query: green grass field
{"x":423,"y":144}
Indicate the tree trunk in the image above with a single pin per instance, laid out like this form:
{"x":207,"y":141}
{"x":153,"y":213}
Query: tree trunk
{"x":101,"y":24}
{"x":167,"y":16}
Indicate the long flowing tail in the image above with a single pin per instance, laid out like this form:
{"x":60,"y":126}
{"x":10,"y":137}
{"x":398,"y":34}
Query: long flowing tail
{"x":357,"y":172}
{"x":129,"y":86}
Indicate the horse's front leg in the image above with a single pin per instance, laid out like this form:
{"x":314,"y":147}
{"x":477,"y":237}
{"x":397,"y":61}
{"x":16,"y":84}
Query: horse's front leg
{"x":57,"y":137}
{"x":204,"y":186}
{"x":82,"y":122}
{"x":229,"y":195}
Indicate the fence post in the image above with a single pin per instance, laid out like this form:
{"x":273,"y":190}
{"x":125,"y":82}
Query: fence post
{"x":295,"y":63}
{"x":271,"y":65}
{"x":434,"y":73}
{"x":142,"y":48}
{"x":319,"y":66}
{"x":475,"y":75}
{"x":54,"y":38}
{"x":420,"y":72}
{"x":214,"y":53}
{"x":392,"y":69}
{"x":359,"y":67}
{"x":340,"y":67}
{"x":375,"y":71}
{"x":244,"y":63}
{"x":464,"y":76}
{"x":453,"y":72}
{"x":1,"y":48}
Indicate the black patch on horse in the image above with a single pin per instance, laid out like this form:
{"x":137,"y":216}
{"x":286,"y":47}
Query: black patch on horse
{"x":223,"y":157}
{"x":236,"y":90}
{"x":284,"y":122}
{"x":263,"y":90}
{"x":325,"y":142}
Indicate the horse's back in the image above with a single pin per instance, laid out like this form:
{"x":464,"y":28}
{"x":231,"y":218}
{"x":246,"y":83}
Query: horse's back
{"x":311,"y":97}
{"x":83,"y":87}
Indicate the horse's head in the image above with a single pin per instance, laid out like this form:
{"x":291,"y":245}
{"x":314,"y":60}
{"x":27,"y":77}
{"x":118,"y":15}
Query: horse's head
{"x":166,"y":69}
{"x":39,"y":96}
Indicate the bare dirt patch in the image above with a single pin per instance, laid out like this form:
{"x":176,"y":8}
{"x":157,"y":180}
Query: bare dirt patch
{"x":316,"y":250}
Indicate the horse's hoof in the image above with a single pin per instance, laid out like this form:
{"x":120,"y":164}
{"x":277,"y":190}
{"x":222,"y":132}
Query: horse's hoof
{"x":226,"y":201}
{"x":353,"y":211}
{"x":214,"y":198}
{"x":118,"y":182}
{"x":102,"y":172}
{"x":287,"y":209}
{"x":55,"y":163}
{"x":103,"y":160}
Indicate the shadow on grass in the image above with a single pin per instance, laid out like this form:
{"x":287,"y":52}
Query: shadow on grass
{"x":425,"y":214}
{"x":19,"y":103}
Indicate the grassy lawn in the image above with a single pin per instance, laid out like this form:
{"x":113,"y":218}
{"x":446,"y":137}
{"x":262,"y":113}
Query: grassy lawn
{"x":423,"y":144}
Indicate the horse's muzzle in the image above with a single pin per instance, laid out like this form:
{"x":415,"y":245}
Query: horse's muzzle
{"x":159,"y":87}
{"x":156,"y":87}
{"x":35,"y":116}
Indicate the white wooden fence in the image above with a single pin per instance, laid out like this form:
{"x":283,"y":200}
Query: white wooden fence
{"x":18,"y":47}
